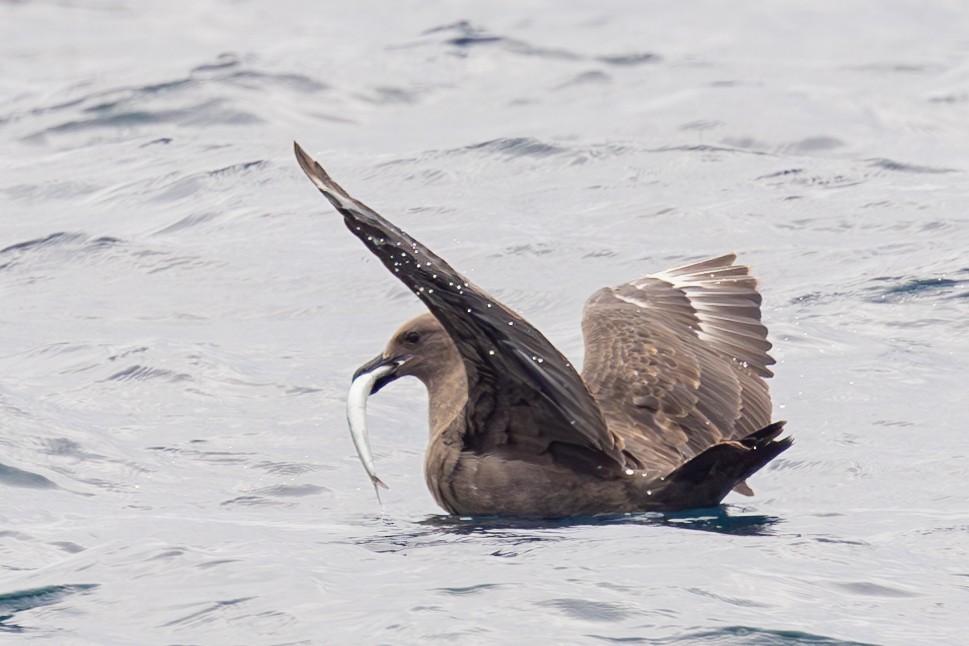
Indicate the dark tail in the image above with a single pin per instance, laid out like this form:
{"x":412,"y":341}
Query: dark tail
{"x":708,"y":477}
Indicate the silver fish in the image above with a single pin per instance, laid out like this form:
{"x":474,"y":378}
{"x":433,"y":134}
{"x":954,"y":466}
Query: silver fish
{"x":360,"y":389}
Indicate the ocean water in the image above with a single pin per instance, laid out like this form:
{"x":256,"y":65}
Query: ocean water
{"x":180,"y":311}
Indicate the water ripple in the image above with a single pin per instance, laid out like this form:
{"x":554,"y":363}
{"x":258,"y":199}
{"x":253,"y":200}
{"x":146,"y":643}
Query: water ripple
{"x":913,"y":289}
{"x":901,"y":167}
{"x":22,"y":600}
{"x":584,"y":610}
{"x":14,"y":477}
{"x":517,"y":147}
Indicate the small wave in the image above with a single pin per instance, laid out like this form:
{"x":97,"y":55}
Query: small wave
{"x":224,"y":61}
{"x":905,"y":290}
{"x":733,"y":601}
{"x":255,"y":79}
{"x":68,"y":547}
{"x":702,"y":125}
{"x":471,"y":589}
{"x":208,"y":613}
{"x":836,"y":180}
{"x":188,"y":222}
{"x":898,"y":68}
{"x":161,"y":141}
{"x":50,"y":188}
{"x":900,"y":167}
{"x":536,"y":249}
{"x":517,"y":147}
{"x":74,"y":247}
{"x":225,"y":457}
{"x":593,"y":77}
{"x":782,"y":173}
{"x":64,"y":447}
{"x":814,"y":144}
{"x":744,"y":146}
{"x":388,"y":95}
{"x":69,"y":248}
{"x":463,"y":36}
{"x":122,"y":106}
{"x":251,"y":501}
{"x":465,"y":32}
{"x":146,"y":373}
{"x":21,"y":600}
{"x":959,"y":97}
{"x":629,"y":60}
{"x":288,"y":468}
{"x":870,"y":589}
{"x":39,"y":243}
{"x":752,"y":636}
{"x":14,"y":477}
{"x":230,"y":68}
{"x":585,"y":610}
{"x":787,"y":464}
{"x":241,"y":168}
{"x":174,"y":188}
{"x":205,"y":113}
{"x":292,"y":491}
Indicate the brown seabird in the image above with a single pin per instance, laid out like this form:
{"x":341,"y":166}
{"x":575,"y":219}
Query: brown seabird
{"x":671,"y":411}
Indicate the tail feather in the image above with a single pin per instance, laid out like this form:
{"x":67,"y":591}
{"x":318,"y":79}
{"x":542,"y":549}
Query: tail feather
{"x":707,"y":478}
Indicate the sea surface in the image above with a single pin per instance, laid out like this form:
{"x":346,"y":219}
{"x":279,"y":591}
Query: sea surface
{"x":181,"y":312}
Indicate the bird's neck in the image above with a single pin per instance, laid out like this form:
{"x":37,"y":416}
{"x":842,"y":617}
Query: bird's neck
{"x":447,"y":395}
{"x":447,"y":399}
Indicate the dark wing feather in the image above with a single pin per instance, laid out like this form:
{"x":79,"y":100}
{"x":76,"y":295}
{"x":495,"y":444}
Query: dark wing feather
{"x":514,"y":364}
{"x":676,"y":360}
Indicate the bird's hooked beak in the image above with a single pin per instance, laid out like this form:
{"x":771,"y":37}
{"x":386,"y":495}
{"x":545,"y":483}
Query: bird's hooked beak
{"x":394,"y":363}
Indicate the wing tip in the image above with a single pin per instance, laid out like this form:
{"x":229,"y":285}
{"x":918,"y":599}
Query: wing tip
{"x":305,"y":161}
{"x":727,"y":307}
{"x":700,"y":266}
{"x":318,"y":175}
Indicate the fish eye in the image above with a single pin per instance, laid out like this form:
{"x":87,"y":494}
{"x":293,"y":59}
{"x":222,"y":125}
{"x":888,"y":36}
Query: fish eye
{"x":412,"y":338}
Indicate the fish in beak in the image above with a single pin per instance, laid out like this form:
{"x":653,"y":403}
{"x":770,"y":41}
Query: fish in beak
{"x":380,"y":361}
{"x":369,"y":378}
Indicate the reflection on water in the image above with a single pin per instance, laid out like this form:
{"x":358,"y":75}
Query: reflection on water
{"x":723,"y":519}
{"x":439,"y":529}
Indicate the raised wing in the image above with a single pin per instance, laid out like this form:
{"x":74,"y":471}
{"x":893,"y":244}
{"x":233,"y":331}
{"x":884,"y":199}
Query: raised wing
{"x":677,"y":360}
{"x":511,"y":364}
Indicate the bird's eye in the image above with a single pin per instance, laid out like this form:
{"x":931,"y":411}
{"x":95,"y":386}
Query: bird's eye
{"x":412,"y":337}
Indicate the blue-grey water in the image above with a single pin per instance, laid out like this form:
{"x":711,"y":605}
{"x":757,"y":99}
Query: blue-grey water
{"x":180,"y":311}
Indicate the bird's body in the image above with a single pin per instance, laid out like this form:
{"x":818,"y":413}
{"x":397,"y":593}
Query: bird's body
{"x":671,"y":410}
